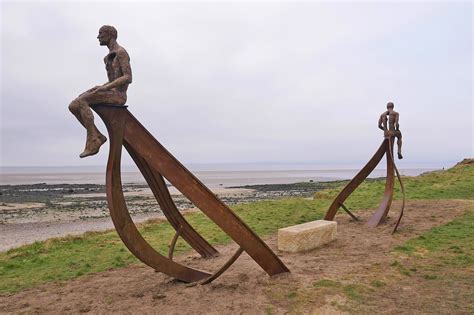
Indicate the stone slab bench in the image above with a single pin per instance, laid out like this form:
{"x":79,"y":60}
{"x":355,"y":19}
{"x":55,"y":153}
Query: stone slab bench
{"x":306,"y":236}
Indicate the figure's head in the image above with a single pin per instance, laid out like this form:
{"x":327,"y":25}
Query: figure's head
{"x":389,"y":106}
{"x":106,"y":34}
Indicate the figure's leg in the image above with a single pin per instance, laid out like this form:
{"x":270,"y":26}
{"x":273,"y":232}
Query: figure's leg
{"x":80,"y":108}
{"x":399,"y":144}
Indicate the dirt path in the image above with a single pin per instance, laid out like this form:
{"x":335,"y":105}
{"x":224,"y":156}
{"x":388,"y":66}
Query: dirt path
{"x":358,"y":257}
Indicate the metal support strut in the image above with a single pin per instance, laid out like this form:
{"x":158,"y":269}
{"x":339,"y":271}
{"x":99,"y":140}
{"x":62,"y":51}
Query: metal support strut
{"x":226,"y":266}
{"x":348,"y":212}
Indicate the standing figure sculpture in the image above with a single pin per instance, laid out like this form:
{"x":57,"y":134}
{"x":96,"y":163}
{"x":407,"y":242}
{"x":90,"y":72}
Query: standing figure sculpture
{"x":113,"y":92}
{"x":393,"y":128}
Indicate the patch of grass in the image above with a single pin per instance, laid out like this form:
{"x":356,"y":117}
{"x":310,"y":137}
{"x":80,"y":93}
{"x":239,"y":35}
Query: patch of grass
{"x":430,"y":277}
{"x":377,"y":283}
{"x":455,"y":183}
{"x":402,"y":269}
{"x":70,"y":257}
{"x":352,"y":291}
{"x":451,"y":244}
{"x":326,"y":283}
{"x":291,"y":295}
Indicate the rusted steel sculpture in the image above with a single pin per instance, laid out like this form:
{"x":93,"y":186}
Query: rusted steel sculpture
{"x":388,"y":122}
{"x":156,"y":163}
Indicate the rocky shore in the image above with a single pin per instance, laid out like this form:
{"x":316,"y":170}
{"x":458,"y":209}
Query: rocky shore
{"x":30,"y":213}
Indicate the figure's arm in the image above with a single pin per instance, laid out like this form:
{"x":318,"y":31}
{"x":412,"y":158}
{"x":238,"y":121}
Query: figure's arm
{"x":126,"y":78}
{"x":397,"y":126}
{"x":382,"y":121}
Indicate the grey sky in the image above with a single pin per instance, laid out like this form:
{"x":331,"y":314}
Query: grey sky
{"x":245,"y":82}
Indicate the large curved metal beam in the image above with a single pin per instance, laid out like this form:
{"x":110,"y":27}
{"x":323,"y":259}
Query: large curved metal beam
{"x":115,"y":121}
{"x":386,"y":202}
{"x":160,"y":160}
{"x":356,"y":181}
{"x":162,"y":195}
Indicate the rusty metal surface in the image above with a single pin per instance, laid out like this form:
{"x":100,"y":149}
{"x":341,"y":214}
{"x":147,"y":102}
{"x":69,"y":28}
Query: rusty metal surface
{"x":355,"y":182}
{"x":382,"y":211}
{"x":386,"y":148}
{"x":348,"y":212}
{"x":191,"y":187}
{"x":167,"y":205}
{"x":128,"y":232}
{"x":173,"y":243}
{"x":154,"y":162}
{"x":403,"y":194}
{"x":226,"y":266}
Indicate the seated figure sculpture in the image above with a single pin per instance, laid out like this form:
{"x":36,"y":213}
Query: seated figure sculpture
{"x":393,"y":128}
{"x":114,"y":92}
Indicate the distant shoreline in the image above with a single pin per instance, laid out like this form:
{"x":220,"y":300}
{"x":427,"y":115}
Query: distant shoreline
{"x":30,"y":213}
{"x":211,"y":178}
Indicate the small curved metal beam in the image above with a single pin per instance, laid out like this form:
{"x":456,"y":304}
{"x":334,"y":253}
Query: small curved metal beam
{"x":349,"y":212}
{"x":173,"y":243}
{"x":226,"y":266}
{"x":403,"y":194}
{"x":356,"y":181}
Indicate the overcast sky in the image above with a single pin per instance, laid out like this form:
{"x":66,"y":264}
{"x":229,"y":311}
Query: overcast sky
{"x":244,"y":82}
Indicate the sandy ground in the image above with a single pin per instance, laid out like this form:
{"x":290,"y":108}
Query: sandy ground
{"x":358,"y":256}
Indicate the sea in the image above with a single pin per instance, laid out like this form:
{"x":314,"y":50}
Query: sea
{"x":212,"y":175}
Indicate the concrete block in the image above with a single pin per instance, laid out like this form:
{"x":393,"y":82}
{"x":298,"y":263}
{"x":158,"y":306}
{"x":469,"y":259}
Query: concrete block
{"x":306,"y":236}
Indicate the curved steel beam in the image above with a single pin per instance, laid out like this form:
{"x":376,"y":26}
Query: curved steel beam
{"x":157,"y":161}
{"x":403,"y":194}
{"x":162,"y":195}
{"x":386,"y":202}
{"x":128,"y":232}
{"x":182,"y":179}
{"x":226,"y":266}
{"x":173,"y":243}
{"x":356,"y":181}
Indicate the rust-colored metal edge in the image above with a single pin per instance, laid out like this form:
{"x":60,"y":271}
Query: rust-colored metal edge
{"x":128,"y":232}
{"x":173,"y":243}
{"x":384,"y":207}
{"x":226,"y":266}
{"x":149,"y":148}
{"x":175,"y":218}
{"x":403,"y":194}
{"x":356,"y":181}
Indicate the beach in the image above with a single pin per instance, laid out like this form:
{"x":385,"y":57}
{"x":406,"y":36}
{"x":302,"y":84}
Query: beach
{"x":30,"y":213}
{"x":37,"y":204}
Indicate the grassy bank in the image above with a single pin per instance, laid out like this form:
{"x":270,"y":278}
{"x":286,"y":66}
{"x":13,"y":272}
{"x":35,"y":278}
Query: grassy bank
{"x":71,"y":257}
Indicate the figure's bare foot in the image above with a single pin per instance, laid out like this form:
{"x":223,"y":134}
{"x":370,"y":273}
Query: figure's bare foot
{"x":400,"y":156}
{"x":93,"y":146}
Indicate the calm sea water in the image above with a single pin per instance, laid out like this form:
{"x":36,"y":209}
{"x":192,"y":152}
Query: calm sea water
{"x":213,"y":175}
